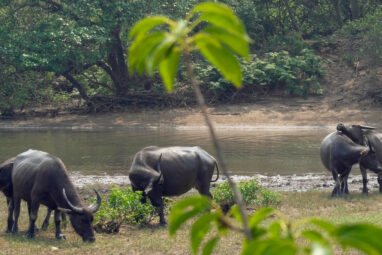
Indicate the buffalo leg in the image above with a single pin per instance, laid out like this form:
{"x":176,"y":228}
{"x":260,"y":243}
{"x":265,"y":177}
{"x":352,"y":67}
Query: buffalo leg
{"x":10,"y":215}
{"x":57,"y":218}
{"x":337,"y":185}
{"x":162,"y":220}
{"x":380,"y":182}
{"x":344,"y":183}
{"x":45,"y":224}
{"x":33,"y":211}
{"x":64,"y":220}
{"x":158,"y":203}
{"x":364,"y":180}
{"x":16,"y":211}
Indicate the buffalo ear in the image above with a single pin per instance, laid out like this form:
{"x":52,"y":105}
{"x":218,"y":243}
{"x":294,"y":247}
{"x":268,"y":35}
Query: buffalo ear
{"x":64,"y":210}
{"x":149,"y":187}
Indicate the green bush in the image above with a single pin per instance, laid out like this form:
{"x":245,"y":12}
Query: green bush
{"x":123,"y":206}
{"x":297,"y":75}
{"x":369,"y":31}
{"x":253,"y":194}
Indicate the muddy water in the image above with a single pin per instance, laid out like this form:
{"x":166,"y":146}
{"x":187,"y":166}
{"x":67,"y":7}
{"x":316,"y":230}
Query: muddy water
{"x":247,"y":152}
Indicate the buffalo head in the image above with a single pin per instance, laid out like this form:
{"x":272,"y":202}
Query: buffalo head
{"x":155,"y":186}
{"x":355,"y":132}
{"x":81,"y":218}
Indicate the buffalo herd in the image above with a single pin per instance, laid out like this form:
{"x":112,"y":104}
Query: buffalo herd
{"x":38,"y":177}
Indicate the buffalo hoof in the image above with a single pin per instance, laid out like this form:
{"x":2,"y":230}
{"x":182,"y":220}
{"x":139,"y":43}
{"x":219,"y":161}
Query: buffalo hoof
{"x":44,"y":227}
{"x":14,"y":230}
{"x":61,"y":237}
{"x":7,"y":231}
{"x":365,"y":192}
{"x":29,"y":235}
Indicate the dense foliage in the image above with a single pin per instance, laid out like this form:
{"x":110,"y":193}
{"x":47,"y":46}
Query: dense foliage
{"x":297,"y":74}
{"x":79,"y":48}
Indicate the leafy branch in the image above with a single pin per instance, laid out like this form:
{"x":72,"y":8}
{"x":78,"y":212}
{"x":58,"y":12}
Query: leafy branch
{"x":220,"y":36}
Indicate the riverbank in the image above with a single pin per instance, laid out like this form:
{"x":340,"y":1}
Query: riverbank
{"x":270,"y":113}
{"x":280,"y":183}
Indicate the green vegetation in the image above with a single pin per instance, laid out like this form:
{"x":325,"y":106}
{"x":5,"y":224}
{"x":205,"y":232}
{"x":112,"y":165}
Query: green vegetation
{"x":369,"y":32}
{"x":57,"y":52}
{"x":253,"y":195}
{"x":123,"y":206}
{"x":276,"y":70}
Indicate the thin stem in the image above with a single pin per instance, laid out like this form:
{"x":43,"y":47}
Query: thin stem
{"x":237,"y":196}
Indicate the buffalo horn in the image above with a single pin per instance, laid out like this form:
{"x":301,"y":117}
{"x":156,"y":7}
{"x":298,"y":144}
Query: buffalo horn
{"x":72,"y":207}
{"x":366,"y":127}
{"x":95,"y":206}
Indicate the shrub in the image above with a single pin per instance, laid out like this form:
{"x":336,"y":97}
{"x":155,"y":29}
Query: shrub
{"x":123,"y":206}
{"x":369,"y":30}
{"x":253,"y":194}
{"x":297,"y":75}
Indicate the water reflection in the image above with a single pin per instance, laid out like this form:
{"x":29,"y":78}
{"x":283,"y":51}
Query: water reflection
{"x":246,"y":152}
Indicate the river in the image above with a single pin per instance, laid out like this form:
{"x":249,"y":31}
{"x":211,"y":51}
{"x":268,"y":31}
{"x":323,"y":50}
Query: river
{"x":247,"y":152}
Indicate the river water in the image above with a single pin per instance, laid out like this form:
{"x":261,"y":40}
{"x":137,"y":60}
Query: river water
{"x":247,"y":152}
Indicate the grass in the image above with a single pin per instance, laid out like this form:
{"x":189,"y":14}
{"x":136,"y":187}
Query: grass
{"x":155,"y":240}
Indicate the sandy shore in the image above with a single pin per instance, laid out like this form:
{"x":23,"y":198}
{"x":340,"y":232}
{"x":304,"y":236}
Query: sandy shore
{"x":268,"y":114}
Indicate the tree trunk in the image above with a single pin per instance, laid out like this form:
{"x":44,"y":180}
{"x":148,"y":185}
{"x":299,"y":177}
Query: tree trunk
{"x":78,"y":86}
{"x":117,"y":65}
{"x":336,"y":5}
{"x":354,"y":5}
{"x":291,"y":16}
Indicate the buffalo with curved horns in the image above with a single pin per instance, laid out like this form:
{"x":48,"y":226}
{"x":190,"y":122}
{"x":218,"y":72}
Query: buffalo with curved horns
{"x":6,"y":187}
{"x":171,"y":171}
{"x":41,"y":178}
{"x":366,"y":135}
{"x":339,"y":153}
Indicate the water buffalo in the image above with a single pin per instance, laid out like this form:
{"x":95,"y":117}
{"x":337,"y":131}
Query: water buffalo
{"x":365,"y":135}
{"x":339,"y":153}
{"x":171,"y":171}
{"x":6,"y":187}
{"x":41,"y":178}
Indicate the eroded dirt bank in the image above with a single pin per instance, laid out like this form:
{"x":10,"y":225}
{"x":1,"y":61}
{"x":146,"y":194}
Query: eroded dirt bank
{"x":276,"y":113}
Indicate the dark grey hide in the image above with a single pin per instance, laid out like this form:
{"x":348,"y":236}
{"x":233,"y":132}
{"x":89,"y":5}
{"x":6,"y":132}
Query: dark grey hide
{"x":171,"y":171}
{"x":339,"y":153}
{"x":41,"y":178}
{"x":6,"y":187}
{"x":365,"y":135}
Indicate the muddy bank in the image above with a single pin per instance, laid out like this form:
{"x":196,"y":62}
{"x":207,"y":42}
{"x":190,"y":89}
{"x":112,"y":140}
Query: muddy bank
{"x":295,"y":183}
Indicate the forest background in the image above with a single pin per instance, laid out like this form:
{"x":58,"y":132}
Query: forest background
{"x":72,"y":55}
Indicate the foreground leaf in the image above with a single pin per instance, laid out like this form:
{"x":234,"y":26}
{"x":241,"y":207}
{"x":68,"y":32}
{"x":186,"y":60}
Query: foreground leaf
{"x":364,"y":237}
{"x":185,"y":210}
{"x":199,"y":229}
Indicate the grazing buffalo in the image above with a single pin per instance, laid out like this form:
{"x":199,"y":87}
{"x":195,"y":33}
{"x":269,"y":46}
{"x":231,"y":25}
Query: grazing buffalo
{"x":339,"y":153}
{"x":171,"y":171}
{"x":41,"y":178}
{"x":6,"y":187}
{"x":365,"y":135}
